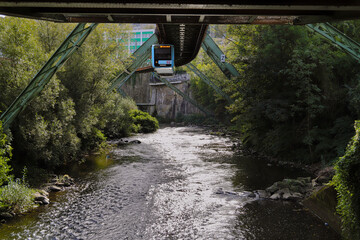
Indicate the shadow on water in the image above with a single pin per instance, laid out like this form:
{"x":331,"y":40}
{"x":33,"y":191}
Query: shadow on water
{"x":280,"y":220}
{"x":256,"y":173}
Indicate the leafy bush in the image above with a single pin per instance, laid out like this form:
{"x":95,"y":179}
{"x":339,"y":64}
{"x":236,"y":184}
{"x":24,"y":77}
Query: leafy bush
{"x":96,"y":140}
{"x":115,"y":113}
{"x":347,"y":182}
{"x":5,"y":155}
{"x":143,"y":122}
{"x":16,"y":196}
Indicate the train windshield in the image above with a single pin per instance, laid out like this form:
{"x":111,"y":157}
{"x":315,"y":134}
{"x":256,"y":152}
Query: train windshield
{"x":163,"y":59}
{"x":162,"y":52}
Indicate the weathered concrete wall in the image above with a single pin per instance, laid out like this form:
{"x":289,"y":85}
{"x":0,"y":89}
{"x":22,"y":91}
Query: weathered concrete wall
{"x":158,"y":97}
{"x":137,"y":87}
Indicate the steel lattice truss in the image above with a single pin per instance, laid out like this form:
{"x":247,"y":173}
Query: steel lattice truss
{"x":37,"y":84}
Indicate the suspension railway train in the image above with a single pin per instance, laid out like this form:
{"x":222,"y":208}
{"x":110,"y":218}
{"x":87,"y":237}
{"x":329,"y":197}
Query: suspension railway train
{"x":162,"y":59}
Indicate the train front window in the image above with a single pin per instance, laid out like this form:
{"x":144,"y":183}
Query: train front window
{"x":162,"y":53}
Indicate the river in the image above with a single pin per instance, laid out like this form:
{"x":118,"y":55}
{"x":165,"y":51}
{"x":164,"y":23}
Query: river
{"x":179,"y":183}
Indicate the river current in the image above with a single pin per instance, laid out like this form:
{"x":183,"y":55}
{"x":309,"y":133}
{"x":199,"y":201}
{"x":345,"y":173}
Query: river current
{"x":179,"y":183}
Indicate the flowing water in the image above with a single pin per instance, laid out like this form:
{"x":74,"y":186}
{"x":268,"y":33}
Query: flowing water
{"x":179,"y":183}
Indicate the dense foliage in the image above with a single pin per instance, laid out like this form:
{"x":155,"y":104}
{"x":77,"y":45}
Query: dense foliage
{"x":15,"y":196}
{"x":5,"y":155}
{"x":143,"y":122}
{"x":74,"y":113}
{"x":347,"y":181}
{"x":297,"y":99}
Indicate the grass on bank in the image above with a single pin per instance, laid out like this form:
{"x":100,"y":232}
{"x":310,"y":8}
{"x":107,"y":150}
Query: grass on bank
{"x":16,"y":197}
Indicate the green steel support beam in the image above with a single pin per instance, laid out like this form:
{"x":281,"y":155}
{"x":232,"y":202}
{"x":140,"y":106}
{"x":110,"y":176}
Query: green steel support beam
{"x":37,"y":84}
{"x":208,"y":82}
{"x":186,"y":97}
{"x":121,"y":92}
{"x":122,"y":81}
{"x":138,"y":58}
{"x":340,"y":40}
{"x":215,"y":53}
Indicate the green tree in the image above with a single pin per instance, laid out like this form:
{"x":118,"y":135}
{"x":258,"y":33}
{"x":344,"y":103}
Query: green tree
{"x":5,"y":156}
{"x":72,"y":112}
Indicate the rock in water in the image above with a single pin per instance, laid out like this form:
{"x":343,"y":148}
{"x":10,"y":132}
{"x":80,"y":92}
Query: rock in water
{"x":284,"y":190}
{"x":219,"y":191}
{"x":275,"y":196}
{"x":46,"y":201}
{"x":252,"y":195}
{"x":54,"y":188}
{"x":5,"y":215}
{"x":39,"y":197}
{"x":296,"y":196}
{"x":262,"y":194}
{"x":273,"y":188}
{"x":287,"y":196}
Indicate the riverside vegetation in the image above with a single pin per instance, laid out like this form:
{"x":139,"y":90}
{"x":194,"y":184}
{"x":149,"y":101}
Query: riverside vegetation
{"x":296,"y":99}
{"x":72,"y":116}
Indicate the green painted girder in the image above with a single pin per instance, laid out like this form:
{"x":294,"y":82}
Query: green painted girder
{"x":121,"y":92}
{"x":215,"y":53}
{"x":338,"y":38}
{"x":185,"y":96}
{"x":123,"y":80}
{"x":142,"y":54}
{"x":208,"y":82}
{"x":73,"y":41}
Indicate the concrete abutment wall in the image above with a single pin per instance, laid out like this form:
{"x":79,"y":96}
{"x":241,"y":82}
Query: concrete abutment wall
{"x":152,"y":96}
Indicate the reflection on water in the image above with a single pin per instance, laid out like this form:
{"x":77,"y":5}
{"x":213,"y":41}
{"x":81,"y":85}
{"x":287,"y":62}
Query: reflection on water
{"x":168,"y":188}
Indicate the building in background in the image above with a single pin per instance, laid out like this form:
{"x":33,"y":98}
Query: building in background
{"x":137,"y":37}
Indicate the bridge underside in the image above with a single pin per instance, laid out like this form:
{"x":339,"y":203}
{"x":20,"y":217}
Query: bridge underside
{"x":183,"y":23}
{"x":185,"y":11}
{"x":186,"y":39}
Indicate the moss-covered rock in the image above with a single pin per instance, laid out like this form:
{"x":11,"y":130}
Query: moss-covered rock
{"x":347,"y":183}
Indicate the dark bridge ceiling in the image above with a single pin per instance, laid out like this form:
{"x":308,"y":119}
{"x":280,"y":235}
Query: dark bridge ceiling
{"x":183,"y":23}
{"x":186,"y":39}
{"x":185,"y":11}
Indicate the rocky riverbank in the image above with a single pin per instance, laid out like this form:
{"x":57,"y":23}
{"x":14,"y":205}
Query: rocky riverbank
{"x":297,"y":189}
{"x":56,"y":184}
{"x":39,"y":197}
